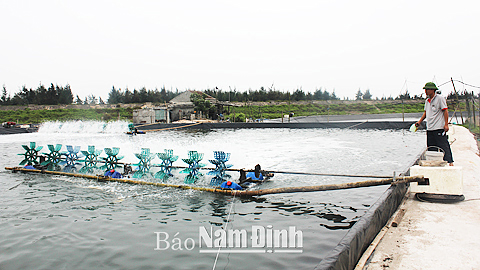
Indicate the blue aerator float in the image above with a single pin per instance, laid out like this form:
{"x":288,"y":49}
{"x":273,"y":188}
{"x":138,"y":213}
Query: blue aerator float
{"x":193,"y":167}
{"x":144,"y":164}
{"x":31,"y":154}
{"x":167,"y":162}
{"x":90,"y":159}
{"x":71,"y":158}
{"x":53,"y":158}
{"x":220,"y":167}
{"x":111,"y":162}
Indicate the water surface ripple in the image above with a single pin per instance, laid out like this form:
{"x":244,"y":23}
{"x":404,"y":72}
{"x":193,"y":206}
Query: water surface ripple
{"x":57,"y":222}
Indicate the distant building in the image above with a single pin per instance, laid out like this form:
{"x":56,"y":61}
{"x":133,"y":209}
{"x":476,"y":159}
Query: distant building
{"x":183,"y":108}
{"x":178,"y":108}
{"x":151,"y":115}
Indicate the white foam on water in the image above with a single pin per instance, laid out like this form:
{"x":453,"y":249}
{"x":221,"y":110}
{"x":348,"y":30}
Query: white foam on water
{"x":112,"y":127}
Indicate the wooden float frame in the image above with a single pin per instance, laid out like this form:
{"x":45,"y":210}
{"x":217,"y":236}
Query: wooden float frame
{"x":237,"y":193}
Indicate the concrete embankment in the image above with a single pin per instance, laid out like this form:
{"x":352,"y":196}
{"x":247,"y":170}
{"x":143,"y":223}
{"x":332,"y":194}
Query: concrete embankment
{"x":438,"y":235}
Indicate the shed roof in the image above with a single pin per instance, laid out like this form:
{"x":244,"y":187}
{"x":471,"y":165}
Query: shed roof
{"x":185,"y":97}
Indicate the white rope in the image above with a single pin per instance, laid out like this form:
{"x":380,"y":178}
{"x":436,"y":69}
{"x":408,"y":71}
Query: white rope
{"x":225,"y":228}
{"x":356,"y":124}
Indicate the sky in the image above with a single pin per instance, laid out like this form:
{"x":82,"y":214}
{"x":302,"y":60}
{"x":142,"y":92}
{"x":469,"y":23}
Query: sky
{"x":386,"y":47}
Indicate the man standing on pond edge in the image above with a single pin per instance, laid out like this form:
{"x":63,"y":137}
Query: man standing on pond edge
{"x":436,"y":113}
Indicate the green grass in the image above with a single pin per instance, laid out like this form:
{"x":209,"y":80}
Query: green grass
{"x":276,"y":111}
{"x":39,"y":116}
{"x":254,"y":111}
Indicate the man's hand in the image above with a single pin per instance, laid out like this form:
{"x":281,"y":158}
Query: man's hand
{"x":445,"y":115}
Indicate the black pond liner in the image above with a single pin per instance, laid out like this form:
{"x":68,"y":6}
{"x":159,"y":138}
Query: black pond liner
{"x":349,"y":250}
{"x":352,"y":246}
{"x":207,"y":126}
{"x":15,"y":130}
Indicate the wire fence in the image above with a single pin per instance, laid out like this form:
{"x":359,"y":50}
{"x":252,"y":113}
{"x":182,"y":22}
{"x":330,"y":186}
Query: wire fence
{"x":467,"y":111}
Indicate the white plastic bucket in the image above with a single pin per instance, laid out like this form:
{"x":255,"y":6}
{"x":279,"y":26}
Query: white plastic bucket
{"x":433,"y":155}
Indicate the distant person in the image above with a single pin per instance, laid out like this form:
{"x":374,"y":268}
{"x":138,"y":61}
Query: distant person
{"x":127,"y":169}
{"x":436,"y":115}
{"x":257,"y":174}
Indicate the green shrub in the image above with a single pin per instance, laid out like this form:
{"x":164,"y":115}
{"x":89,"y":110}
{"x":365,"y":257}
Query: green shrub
{"x":239,"y":117}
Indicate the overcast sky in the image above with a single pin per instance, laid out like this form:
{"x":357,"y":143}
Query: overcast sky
{"x":343,"y":46}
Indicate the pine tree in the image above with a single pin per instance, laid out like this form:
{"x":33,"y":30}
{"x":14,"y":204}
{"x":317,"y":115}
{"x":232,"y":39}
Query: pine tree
{"x":92,"y":99}
{"x":5,"y":99}
{"x":359,"y":95}
{"x":114,"y":97}
{"x":367,"y":95}
{"x":65,"y":95}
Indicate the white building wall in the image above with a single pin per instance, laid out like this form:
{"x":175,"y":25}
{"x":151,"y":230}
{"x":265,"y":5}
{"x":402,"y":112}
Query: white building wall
{"x":144,"y":116}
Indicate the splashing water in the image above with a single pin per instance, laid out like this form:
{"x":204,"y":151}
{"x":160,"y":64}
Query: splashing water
{"x":84,"y":127}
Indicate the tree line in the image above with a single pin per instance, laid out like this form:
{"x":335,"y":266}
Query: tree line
{"x":52,"y":95}
{"x":56,"y":94}
{"x":156,"y":96}
{"x":143,"y":95}
{"x":263,"y":94}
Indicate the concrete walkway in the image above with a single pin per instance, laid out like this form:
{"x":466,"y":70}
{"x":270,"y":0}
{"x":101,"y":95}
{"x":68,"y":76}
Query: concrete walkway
{"x":436,"y":235}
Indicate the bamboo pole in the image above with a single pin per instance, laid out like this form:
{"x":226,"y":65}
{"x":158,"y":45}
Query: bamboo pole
{"x":473,"y":110}
{"x":241,"y":193}
{"x":324,"y":174}
{"x":458,"y":100}
{"x":368,"y":183}
{"x":467,"y":104}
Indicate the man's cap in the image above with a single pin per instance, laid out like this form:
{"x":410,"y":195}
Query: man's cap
{"x":430,"y":86}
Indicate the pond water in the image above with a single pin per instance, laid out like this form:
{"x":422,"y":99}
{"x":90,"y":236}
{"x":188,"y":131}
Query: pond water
{"x":58,"y":222}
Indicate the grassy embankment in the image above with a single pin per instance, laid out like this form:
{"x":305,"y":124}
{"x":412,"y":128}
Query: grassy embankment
{"x":276,"y":111}
{"x":256,"y":111}
{"x":39,"y":116}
